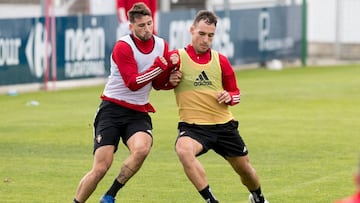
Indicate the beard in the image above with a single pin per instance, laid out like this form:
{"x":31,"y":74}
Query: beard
{"x":144,"y":37}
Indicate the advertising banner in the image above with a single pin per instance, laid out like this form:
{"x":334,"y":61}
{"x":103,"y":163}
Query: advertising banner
{"x":74,"y":47}
{"x":82,"y":47}
{"x":245,"y":36}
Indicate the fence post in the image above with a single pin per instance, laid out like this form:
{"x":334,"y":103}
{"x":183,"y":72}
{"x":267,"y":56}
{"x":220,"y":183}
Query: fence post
{"x":304,"y":33}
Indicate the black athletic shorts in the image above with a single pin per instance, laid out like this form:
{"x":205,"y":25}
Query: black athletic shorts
{"x":224,"y":139}
{"x":113,"y":122}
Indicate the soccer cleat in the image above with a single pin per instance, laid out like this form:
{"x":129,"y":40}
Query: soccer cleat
{"x":107,"y":199}
{"x":251,"y":199}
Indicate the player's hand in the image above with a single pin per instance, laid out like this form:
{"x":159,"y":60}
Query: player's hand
{"x":223,"y":97}
{"x":174,"y":59}
{"x":175,"y":78}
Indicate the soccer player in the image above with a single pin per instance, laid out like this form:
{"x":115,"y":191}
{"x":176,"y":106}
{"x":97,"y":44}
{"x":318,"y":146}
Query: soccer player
{"x":136,"y":60}
{"x":355,"y":198}
{"x":205,"y":85}
{"x":123,"y":7}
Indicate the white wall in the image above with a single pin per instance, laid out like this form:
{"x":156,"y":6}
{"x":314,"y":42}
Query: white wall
{"x":102,"y":7}
{"x":350,"y":21}
{"x":16,"y":11}
{"x":321,"y":20}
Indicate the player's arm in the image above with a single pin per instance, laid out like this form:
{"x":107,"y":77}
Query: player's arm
{"x":170,"y":77}
{"x":128,"y":67}
{"x":121,"y":12}
{"x":231,"y":94}
{"x":153,"y":9}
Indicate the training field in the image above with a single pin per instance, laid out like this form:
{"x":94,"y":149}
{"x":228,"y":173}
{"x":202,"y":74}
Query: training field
{"x":301,"y":125}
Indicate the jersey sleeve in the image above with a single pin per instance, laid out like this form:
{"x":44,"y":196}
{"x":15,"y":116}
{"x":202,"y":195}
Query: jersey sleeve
{"x":124,"y":58}
{"x":229,"y":80}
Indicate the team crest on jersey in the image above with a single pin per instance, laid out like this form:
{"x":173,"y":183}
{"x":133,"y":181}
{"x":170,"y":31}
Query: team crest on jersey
{"x":98,"y":138}
{"x":202,"y":80}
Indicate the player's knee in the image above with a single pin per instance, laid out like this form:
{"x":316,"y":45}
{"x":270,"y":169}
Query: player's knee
{"x":182,"y":151}
{"x":100,"y":171}
{"x":142,"y":152}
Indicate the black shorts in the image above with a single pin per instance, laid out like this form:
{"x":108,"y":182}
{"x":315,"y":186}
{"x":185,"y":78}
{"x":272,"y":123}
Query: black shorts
{"x":113,"y":122}
{"x":224,"y":139}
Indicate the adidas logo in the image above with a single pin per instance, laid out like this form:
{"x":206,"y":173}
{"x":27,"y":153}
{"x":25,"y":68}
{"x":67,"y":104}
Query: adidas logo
{"x":202,"y":79}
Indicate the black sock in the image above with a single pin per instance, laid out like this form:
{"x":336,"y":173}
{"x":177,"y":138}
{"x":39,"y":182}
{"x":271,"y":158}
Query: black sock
{"x":75,"y":201}
{"x":115,"y":187}
{"x":258,"y":196}
{"x":208,"y":195}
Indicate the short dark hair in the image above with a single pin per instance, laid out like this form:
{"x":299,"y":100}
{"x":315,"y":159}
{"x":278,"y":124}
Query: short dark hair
{"x":208,"y":16}
{"x":138,"y":10}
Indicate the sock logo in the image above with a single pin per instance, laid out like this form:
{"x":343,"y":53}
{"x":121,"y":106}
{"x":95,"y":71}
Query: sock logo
{"x":202,"y":79}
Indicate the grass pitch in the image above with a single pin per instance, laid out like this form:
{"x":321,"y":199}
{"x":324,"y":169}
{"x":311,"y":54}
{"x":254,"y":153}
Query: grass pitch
{"x":301,"y":126}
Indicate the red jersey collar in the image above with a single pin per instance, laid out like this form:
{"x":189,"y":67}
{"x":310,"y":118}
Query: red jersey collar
{"x":199,"y":58}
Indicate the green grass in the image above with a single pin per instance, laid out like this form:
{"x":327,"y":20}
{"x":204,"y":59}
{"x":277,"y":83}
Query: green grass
{"x":301,"y":126}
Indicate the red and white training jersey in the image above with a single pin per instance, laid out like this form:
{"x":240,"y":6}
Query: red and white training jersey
{"x":116,"y":89}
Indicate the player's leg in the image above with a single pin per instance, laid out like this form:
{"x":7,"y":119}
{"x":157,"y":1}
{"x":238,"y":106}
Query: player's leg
{"x":103,"y":158}
{"x":138,"y":139}
{"x":244,"y":169}
{"x":248,"y":177}
{"x":232,"y":147}
{"x":106,"y":140}
{"x":139,"y":146}
{"x":187,"y":149}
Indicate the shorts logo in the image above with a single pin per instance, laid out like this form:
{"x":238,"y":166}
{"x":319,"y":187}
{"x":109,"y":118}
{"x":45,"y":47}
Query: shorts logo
{"x":202,"y":80}
{"x":98,"y":138}
{"x":149,"y":131}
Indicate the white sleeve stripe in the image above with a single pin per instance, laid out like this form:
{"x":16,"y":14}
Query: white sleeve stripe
{"x":236,"y":98}
{"x":148,"y":76}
